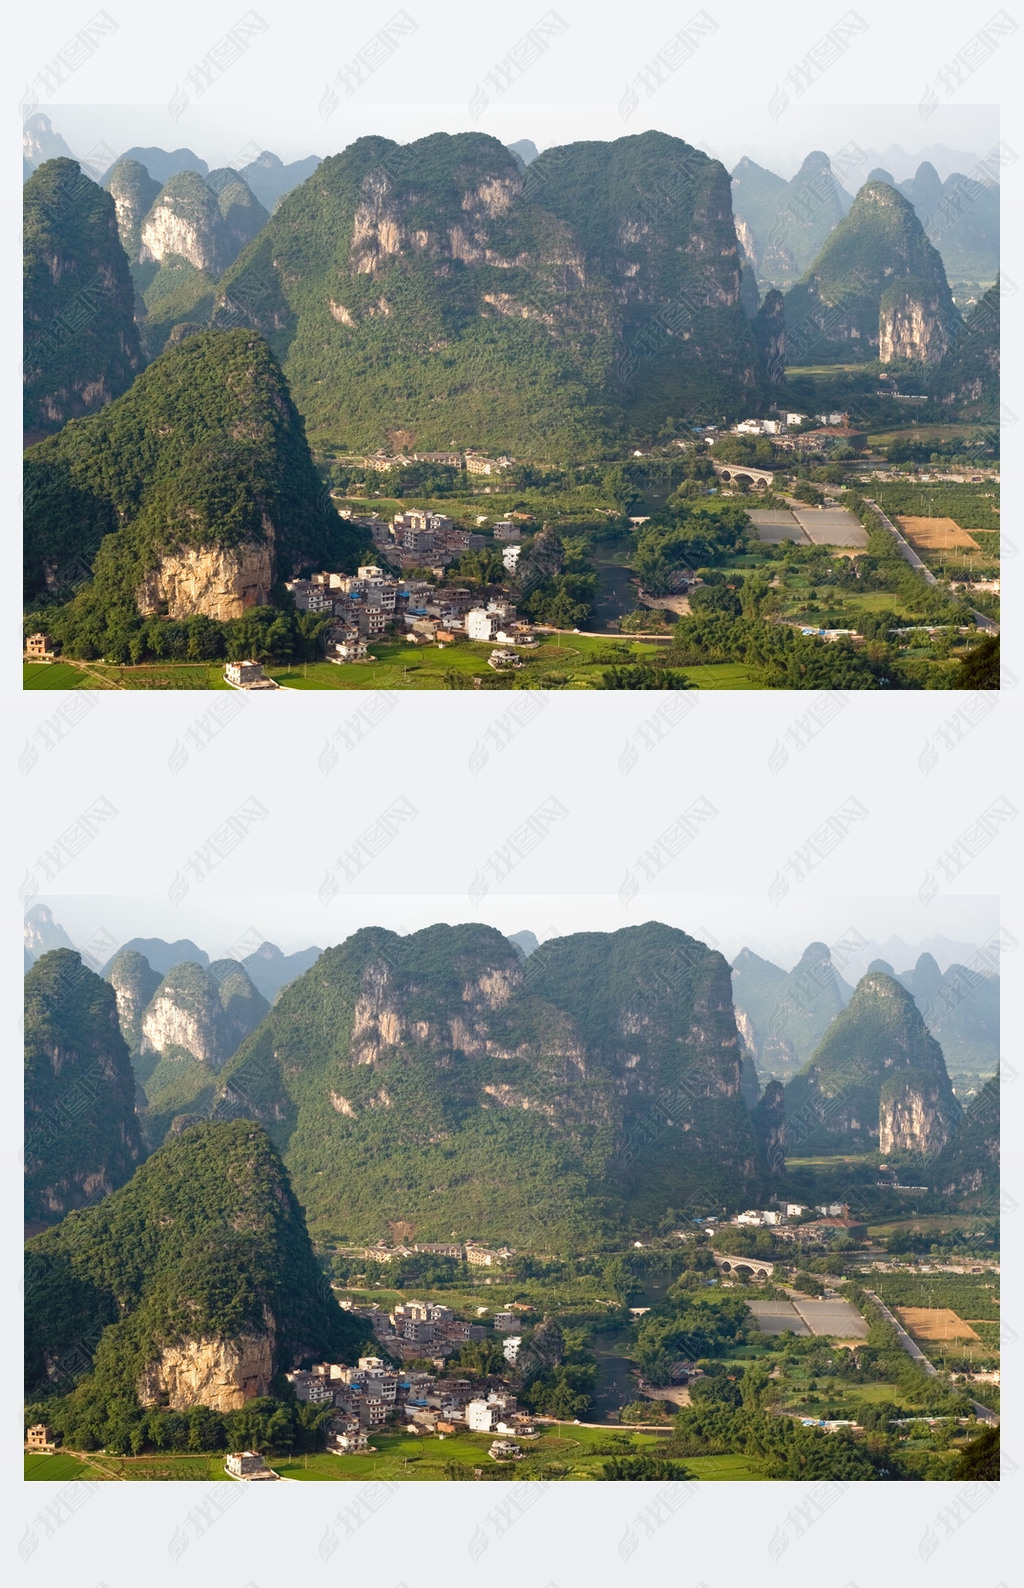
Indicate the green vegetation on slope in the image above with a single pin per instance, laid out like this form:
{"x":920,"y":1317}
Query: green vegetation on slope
{"x":206,"y":1241}
{"x":81,"y":1133}
{"x":205,"y":451}
{"x":81,"y":345}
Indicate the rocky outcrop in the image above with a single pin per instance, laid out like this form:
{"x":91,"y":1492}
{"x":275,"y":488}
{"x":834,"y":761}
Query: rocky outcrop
{"x":876,"y":1068}
{"x":877,"y":289}
{"x":218,"y":582}
{"x":201,"y":1013}
{"x":134,"y":192}
{"x":210,"y":1371}
{"x":608,"y":1065}
{"x":198,"y":1278}
{"x":613,"y":257}
{"x":770,"y":336}
{"x":913,"y":1116}
{"x":207,"y":222}
{"x":912,"y":325}
{"x":134,"y":982}
{"x":770,"y":1124}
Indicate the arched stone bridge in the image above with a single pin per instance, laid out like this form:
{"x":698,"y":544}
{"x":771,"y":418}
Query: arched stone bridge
{"x":755,"y":1267}
{"x":733,"y":473}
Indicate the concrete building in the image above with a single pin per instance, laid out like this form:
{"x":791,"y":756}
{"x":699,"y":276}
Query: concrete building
{"x":247,"y":675}
{"x":39,"y":649}
{"x":247,"y":1464}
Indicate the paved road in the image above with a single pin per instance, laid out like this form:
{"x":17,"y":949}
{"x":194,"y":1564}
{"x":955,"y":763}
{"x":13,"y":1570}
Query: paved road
{"x":983,"y":1413}
{"x":904,"y":547}
{"x":908,"y":553}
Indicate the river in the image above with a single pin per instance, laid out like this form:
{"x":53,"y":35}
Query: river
{"x":616,"y":594}
{"x":616,"y":1386}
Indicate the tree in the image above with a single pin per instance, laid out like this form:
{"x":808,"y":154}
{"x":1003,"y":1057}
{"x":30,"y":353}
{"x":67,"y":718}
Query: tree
{"x":980,"y":667}
{"x":979,"y":1459}
{"x":644,"y":1469}
{"x":640,"y":676}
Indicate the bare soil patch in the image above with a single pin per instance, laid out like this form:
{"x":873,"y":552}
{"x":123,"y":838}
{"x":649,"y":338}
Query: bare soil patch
{"x":936,"y":534}
{"x":935,"y":1324}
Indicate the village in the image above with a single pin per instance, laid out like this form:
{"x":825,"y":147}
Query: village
{"x":376,"y":1392}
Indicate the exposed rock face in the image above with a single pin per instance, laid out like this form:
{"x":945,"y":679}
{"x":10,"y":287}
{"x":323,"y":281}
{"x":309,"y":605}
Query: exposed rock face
{"x":206,"y":223}
{"x":201,"y":1267}
{"x":387,"y":249}
{"x":877,"y":1065}
{"x":912,"y":1115}
{"x":203,"y":1013}
{"x":42,"y":933}
{"x":219,"y":582}
{"x":911,"y":325}
{"x":607,"y":1064}
{"x":770,"y":1124}
{"x":878,"y":287}
{"x":133,"y":191}
{"x":134,"y":982}
{"x":222,"y":1374}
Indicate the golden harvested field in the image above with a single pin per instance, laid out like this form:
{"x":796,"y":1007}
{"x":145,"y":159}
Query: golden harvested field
{"x":935,"y":534}
{"x":934,"y":1324}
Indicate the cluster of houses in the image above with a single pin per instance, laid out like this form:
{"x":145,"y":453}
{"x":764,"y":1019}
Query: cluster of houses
{"x":477,"y":1255}
{"x":374,"y":1393}
{"x":790,"y":432}
{"x":474,"y":462}
{"x":367,"y":604}
{"x":790,"y":1222}
{"x":418,"y":1329}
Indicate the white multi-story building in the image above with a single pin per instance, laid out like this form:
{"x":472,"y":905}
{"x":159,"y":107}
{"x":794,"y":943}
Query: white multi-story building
{"x":510,"y":1347}
{"x":510,"y":557}
{"x":481,"y":625}
{"x":482,"y":1416}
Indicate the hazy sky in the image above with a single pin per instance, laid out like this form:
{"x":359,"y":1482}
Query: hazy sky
{"x":231,"y":134}
{"x":231,"y":924}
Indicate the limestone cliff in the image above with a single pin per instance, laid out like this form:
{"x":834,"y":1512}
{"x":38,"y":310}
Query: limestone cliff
{"x":202,"y":1013}
{"x":197,"y":1278}
{"x":913,"y":324}
{"x":209,"y":1371}
{"x":912,"y":1114}
{"x":218,"y":582}
{"x":204,"y":222}
{"x":606,"y":276}
{"x":876,"y":1069}
{"x":877,"y":289}
{"x":134,"y":982}
{"x":601,"y":1079}
{"x":134,"y":192}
